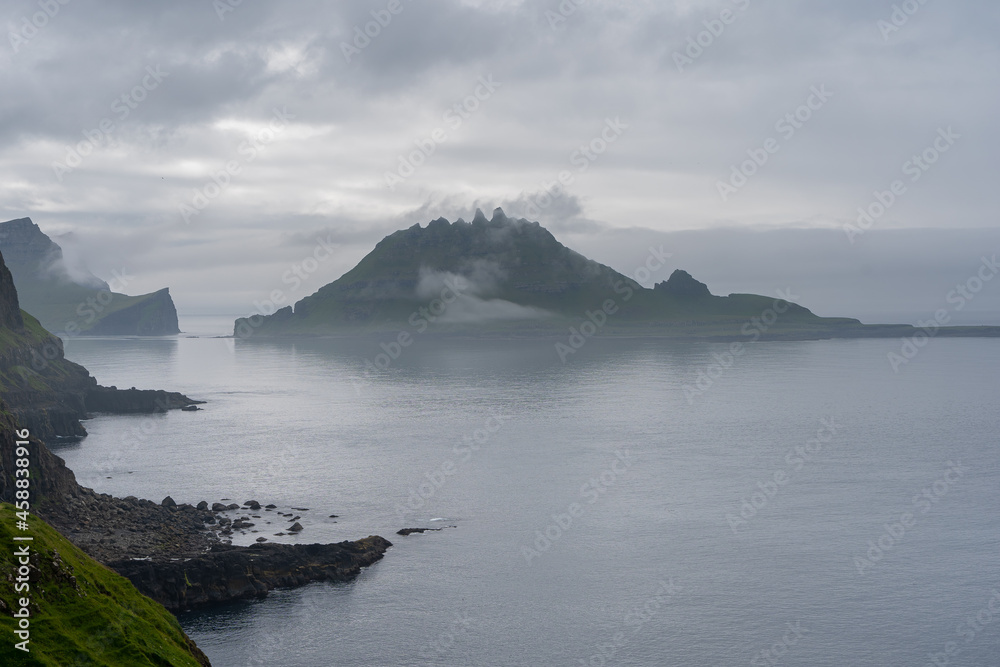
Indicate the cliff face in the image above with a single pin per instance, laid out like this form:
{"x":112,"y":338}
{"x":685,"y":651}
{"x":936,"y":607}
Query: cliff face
{"x":48,"y":393}
{"x":10,"y":308}
{"x":77,"y":303}
{"x":151,"y":315}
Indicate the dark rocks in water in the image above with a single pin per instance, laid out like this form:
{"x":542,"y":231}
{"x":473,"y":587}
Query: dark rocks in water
{"x":262,"y":539}
{"x":252,"y":504}
{"x":168,"y":502}
{"x":270,"y":507}
{"x":296,"y":527}
{"x":203,"y":505}
{"x":219,"y":507}
{"x":135,"y":401}
{"x":333,"y":516}
{"x":301,"y":509}
{"x":410,"y":531}
{"x":228,"y":573}
{"x":240,"y":523}
{"x":190,"y":408}
{"x":232,"y":506}
{"x":295,"y":518}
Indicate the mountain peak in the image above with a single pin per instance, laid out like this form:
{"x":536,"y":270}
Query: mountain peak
{"x":479,"y":218}
{"x":682,"y":284}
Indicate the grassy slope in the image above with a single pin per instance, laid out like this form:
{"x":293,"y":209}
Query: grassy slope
{"x":53,"y":373}
{"x":58,"y":306}
{"x":86,"y":614}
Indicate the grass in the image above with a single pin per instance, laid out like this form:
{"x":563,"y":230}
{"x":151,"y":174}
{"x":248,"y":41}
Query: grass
{"x":82,"y":612}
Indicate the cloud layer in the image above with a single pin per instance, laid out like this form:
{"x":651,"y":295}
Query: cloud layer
{"x":345,"y":121}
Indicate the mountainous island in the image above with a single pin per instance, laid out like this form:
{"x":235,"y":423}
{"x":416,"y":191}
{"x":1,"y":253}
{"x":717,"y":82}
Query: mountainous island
{"x":102,"y":572}
{"x":511,"y":276}
{"x":78,"y":302}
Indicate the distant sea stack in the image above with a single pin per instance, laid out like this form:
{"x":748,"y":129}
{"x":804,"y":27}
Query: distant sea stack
{"x":75,"y":303}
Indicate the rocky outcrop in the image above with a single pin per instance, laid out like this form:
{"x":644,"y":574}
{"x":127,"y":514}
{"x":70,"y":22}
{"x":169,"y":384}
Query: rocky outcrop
{"x":150,"y":315}
{"x":50,"y":394}
{"x":682,"y":284}
{"x":228,"y":573}
{"x":130,"y":401}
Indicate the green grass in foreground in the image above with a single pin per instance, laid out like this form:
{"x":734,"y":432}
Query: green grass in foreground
{"x":82,"y":613}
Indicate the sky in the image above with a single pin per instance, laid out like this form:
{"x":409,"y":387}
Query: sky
{"x":210,"y":146}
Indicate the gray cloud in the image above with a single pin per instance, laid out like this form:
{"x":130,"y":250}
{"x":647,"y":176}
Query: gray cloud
{"x":325,"y":173}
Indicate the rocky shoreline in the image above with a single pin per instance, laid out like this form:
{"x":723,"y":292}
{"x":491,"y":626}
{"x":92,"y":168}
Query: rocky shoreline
{"x":227,"y":573}
{"x":176,"y":553}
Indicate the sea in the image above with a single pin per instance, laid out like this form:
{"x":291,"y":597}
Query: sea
{"x":641,"y":502}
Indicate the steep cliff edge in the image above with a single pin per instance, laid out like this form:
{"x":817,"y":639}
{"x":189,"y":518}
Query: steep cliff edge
{"x":78,"y":302}
{"x":48,"y":393}
{"x":81,"y":613}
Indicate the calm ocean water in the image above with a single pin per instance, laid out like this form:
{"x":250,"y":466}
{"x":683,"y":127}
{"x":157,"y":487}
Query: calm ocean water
{"x":810,"y":507}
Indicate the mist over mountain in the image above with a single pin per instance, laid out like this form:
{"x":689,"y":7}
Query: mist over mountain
{"x":510,"y":274}
{"x":68,"y":299}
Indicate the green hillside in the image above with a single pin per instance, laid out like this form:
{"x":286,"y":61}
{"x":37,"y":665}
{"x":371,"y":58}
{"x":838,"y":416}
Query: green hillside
{"x":82,"y":613}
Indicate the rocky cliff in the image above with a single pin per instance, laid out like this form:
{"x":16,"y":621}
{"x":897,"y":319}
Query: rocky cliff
{"x":78,"y":302}
{"x":48,"y":393}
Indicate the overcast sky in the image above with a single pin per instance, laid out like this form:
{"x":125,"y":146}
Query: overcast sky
{"x":331,"y":133}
